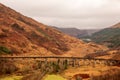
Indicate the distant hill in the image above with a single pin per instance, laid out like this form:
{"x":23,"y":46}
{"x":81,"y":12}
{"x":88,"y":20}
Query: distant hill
{"x":79,"y":33}
{"x":108,"y":36}
{"x":21,"y":35}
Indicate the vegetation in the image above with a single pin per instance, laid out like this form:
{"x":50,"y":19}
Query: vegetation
{"x":17,"y":27}
{"x":7,"y":67}
{"x":115,"y":40}
{"x":47,"y":67}
{"x":108,"y":35}
{"x":4,"y":49}
{"x":33,"y":76}
{"x":12,"y":78}
{"x":78,"y":78}
{"x":2,"y":35}
{"x":65,"y":63}
{"x":45,"y":34}
{"x":115,"y":75}
{"x":54,"y":77}
{"x":53,"y":66}
{"x":54,"y":40}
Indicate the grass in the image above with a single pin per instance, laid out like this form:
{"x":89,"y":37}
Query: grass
{"x":91,"y":71}
{"x":54,"y":77}
{"x":12,"y":78}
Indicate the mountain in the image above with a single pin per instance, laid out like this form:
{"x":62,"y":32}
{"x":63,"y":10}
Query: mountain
{"x":116,"y":25}
{"x":78,"y":32}
{"x":21,"y":35}
{"x":108,"y":36}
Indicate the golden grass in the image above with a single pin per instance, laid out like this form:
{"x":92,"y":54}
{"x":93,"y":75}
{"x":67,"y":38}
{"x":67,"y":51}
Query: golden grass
{"x":92,"y":71}
{"x":54,"y":77}
{"x":11,"y":78}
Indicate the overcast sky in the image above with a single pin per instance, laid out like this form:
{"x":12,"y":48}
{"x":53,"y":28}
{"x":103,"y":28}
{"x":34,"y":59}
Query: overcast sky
{"x":82,"y":14}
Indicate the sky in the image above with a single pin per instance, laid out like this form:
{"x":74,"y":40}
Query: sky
{"x":82,"y":14}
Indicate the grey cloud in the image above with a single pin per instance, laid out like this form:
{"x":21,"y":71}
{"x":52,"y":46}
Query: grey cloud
{"x":70,"y":13}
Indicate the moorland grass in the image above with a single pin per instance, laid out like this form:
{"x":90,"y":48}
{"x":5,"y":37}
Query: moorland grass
{"x":54,"y":77}
{"x":11,"y":78}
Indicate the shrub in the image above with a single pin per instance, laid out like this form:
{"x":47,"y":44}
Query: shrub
{"x":115,"y":75}
{"x":7,"y":67}
{"x":4,"y":49}
{"x":17,"y":27}
{"x":3,"y":35}
{"x":65,"y":63}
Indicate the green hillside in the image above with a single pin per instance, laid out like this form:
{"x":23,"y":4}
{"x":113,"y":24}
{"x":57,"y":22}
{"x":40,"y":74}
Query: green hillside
{"x":110,"y":36}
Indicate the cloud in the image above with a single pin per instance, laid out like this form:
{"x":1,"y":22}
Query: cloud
{"x":70,"y":13}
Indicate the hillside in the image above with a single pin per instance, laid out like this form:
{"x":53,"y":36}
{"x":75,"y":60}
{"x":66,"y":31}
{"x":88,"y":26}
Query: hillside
{"x":108,"y":36}
{"x":21,"y":35}
{"x":112,"y":54}
{"x":116,"y":25}
{"x":78,"y":32}
{"x":111,"y":38}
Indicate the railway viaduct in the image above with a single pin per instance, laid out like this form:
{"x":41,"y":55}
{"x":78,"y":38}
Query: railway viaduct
{"x":74,"y":61}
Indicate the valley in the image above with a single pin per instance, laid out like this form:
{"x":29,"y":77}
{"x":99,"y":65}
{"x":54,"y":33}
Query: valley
{"x":30,"y":50}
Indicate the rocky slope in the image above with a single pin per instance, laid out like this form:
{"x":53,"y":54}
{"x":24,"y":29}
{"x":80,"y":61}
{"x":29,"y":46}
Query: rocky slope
{"x":21,"y":35}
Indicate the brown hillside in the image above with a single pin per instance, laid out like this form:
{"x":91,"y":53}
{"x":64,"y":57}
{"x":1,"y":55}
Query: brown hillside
{"x":116,"y":25}
{"x":109,"y":54}
{"x":23,"y":36}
